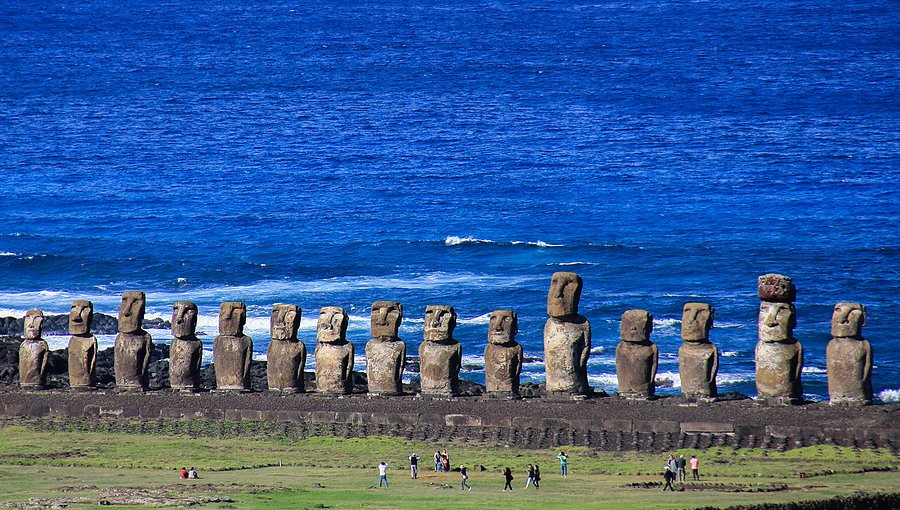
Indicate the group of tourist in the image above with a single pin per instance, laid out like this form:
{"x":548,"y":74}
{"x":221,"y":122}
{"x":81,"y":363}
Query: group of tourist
{"x":674,"y":470}
{"x":188,"y":474}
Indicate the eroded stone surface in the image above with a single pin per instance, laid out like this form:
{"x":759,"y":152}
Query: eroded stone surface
{"x":696,"y":321}
{"x":186,"y":350}
{"x":698,"y":358}
{"x":779,"y":356}
{"x":334,"y":354}
{"x":849,"y":357}
{"x":385,"y":352}
{"x":133,"y":345}
{"x":440,"y":355}
{"x":567,"y":338}
{"x":503,"y":356}
{"x":637,"y":357}
{"x":82,"y":345}
{"x":232,"y":349}
{"x":776,"y":321}
{"x":286,"y":354}
{"x":33,"y":353}
{"x":776,"y":288}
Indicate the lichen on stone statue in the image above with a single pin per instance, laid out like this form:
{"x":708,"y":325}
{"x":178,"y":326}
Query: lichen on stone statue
{"x":637,"y":357}
{"x":334,"y":354}
{"x":186,"y":350}
{"x":849,"y":357}
{"x":82,"y":346}
{"x":503,"y":356}
{"x":133,"y":345}
{"x":440,"y":355}
{"x":698,"y":358}
{"x":567,"y":339}
{"x":33,"y":353}
{"x":232,"y":349}
{"x":286,"y":354}
{"x":386,"y":352}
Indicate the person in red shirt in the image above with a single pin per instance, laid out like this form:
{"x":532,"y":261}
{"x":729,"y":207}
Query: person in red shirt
{"x":183,"y":474}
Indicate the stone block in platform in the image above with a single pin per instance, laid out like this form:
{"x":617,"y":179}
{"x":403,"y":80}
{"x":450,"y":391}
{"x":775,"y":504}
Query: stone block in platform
{"x":706,"y":427}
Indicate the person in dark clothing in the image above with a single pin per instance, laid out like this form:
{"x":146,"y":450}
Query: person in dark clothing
{"x":465,"y":478}
{"x":537,"y":477}
{"x":530,"y":479}
{"x":669,"y":475}
{"x":680,"y":464}
{"x":509,"y":478}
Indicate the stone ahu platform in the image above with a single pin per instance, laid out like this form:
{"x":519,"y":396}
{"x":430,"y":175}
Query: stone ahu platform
{"x":601,"y":423}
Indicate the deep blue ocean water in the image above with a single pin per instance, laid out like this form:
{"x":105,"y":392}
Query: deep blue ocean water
{"x":458,"y":153}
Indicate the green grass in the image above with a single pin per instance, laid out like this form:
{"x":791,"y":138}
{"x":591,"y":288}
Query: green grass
{"x":327,"y":472}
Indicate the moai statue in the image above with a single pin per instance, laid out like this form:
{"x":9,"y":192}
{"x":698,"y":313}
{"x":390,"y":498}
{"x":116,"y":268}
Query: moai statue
{"x":567,"y":339}
{"x":385,"y":352}
{"x":334,"y":354}
{"x":779,"y":356}
{"x":133,"y":345}
{"x":849,"y":357}
{"x":440,"y":355}
{"x":503,"y":356}
{"x":286,"y":354}
{"x":33,"y":353}
{"x":232,"y":349}
{"x":698,"y":358}
{"x":186,"y":350}
{"x":637,"y":357}
{"x":82,"y":346}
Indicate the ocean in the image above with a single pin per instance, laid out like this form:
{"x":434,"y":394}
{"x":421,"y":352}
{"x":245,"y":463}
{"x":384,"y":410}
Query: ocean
{"x":435,"y":152}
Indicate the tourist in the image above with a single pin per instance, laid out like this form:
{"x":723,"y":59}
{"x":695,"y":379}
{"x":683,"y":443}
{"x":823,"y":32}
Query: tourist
{"x":509,"y":478}
{"x":695,"y":467}
{"x":680,"y":463}
{"x":414,"y":466}
{"x":192,"y":473}
{"x":465,"y":478}
{"x":184,"y":473}
{"x":438,"y":463}
{"x":668,"y":476}
{"x":563,"y":464}
{"x":530,"y":479}
{"x":445,"y":460}
{"x":537,"y":477}
{"x":382,"y":474}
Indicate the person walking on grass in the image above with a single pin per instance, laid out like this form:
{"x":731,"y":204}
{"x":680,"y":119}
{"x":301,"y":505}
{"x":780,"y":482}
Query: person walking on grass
{"x":382,"y":474}
{"x":680,"y":464}
{"x":537,"y":477}
{"x":414,"y":466}
{"x":669,"y":476}
{"x":563,"y":464}
{"x":509,"y":478}
{"x":695,"y":467}
{"x":465,"y":478}
{"x":530,"y":479}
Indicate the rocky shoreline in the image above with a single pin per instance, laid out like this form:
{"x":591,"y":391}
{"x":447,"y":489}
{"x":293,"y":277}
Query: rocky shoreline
{"x":101,"y":324}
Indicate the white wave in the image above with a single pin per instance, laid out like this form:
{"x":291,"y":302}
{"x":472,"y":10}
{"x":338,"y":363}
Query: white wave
{"x":484,"y":318}
{"x":814,"y":370}
{"x":729,"y":325}
{"x":605,"y":381}
{"x":889,"y":395}
{"x":598,"y":350}
{"x":665,"y":323}
{"x":573,"y":264}
{"x":674,"y":377}
{"x":729,"y":354}
{"x":9,"y":254}
{"x":456,"y":241}
{"x":181,"y":280}
{"x":540,"y":244}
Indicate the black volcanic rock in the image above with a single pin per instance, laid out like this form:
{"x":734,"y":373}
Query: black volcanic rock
{"x":59,"y":325}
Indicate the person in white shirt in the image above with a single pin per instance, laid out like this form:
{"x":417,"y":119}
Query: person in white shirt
{"x":382,"y":474}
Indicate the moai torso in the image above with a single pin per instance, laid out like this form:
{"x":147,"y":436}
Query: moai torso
{"x":440,"y":355}
{"x":849,"y":357}
{"x":133,"y":345}
{"x":232,"y":349}
{"x":698,"y":358}
{"x":385,"y":352}
{"x":186,"y":350}
{"x":637,"y":357}
{"x":286,"y":355}
{"x":503,"y":356}
{"x":33,"y":353}
{"x":334,"y":354}
{"x":82,"y":345}
{"x":779,"y":356}
{"x":567,"y":338}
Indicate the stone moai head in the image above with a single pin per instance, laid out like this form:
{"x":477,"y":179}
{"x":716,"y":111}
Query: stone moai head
{"x":386,"y":319}
{"x":285,"y":322}
{"x":503,"y":327}
{"x":184,"y":319}
{"x":34,"y":324}
{"x":131,"y":311}
{"x":636,"y":326}
{"x":332,"y":325}
{"x":776,"y":321}
{"x":696,"y":321}
{"x":777,"y":288}
{"x":232,"y":317}
{"x":440,"y":321}
{"x":565,"y":291}
{"x":847,"y":320}
{"x":80,"y":317}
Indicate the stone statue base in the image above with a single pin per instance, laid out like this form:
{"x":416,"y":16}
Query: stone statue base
{"x":699,"y":399}
{"x":850,"y":402}
{"x":81,"y":389}
{"x":502,"y":395}
{"x":559,"y":396}
{"x":635,"y":395}
{"x":186,"y":389}
{"x":31,"y":387}
{"x":778,"y":401}
{"x":285,"y":391}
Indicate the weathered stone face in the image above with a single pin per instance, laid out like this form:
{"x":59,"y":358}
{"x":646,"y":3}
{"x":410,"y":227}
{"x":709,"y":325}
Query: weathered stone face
{"x":776,"y":288}
{"x":284,"y":369}
{"x":185,"y":357}
{"x":34,"y":324}
{"x":636,"y":326}
{"x":131,"y":311}
{"x":698,"y":365}
{"x":636,"y":364}
{"x":285,"y":322}
{"x":439,"y":365}
{"x":385,"y":361}
{"x":232,"y":317}
{"x":567,"y":347}
{"x":386,"y":319}
{"x":33,"y":355}
{"x":778,"y":369}
{"x":849,"y":364}
{"x":503,"y":327}
{"x":332,"y":325}
{"x":503,"y":366}
{"x":80,"y":317}
{"x":131,"y":358}
{"x":696,"y":321}
{"x":334,"y":364}
{"x":565,"y":292}
{"x":847,"y":320}
{"x":776,"y":321}
{"x":82,"y":358}
{"x":440,"y":321}
{"x":184,"y":320}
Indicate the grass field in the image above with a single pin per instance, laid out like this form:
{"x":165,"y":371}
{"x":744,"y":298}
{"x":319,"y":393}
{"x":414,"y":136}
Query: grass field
{"x":81,"y":469}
